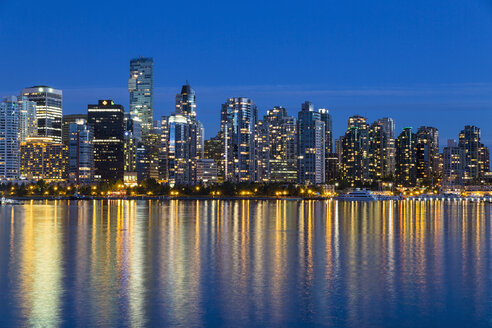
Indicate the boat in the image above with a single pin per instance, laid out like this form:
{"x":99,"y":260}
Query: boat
{"x":9,"y":201}
{"x":358,"y":195}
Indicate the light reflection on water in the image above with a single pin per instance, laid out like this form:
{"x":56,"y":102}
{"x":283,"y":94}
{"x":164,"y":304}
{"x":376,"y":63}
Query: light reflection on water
{"x":239,"y":263}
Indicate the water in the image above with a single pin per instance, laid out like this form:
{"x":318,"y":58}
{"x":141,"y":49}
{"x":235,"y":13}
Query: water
{"x":245,"y":263}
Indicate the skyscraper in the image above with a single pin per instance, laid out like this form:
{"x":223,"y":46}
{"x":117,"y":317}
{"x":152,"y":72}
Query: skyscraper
{"x":176,"y":130}
{"x":427,"y":154}
{"x":9,"y":139}
{"x":311,"y":143}
{"x":141,"y":88}
{"x":354,"y":159}
{"x":238,"y":121}
{"x":80,"y":152}
{"x":182,"y":140}
{"x":282,"y":145}
{"x":377,"y":152}
{"x":406,"y":171}
{"x":476,"y":161}
{"x":48,"y":110}
{"x":106,"y":120}
{"x":328,"y":120}
{"x":388,"y":125}
{"x":28,"y":124}
{"x":453,"y":164}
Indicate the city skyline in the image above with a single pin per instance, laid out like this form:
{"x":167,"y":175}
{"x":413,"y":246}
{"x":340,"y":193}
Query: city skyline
{"x":373,"y":59}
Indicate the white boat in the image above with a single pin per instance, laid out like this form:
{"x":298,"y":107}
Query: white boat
{"x":358,"y":195}
{"x":8,"y":201}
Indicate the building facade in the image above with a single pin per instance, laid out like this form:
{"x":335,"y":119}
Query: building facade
{"x":354,"y":158}
{"x":48,"y":110}
{"x":28,"y":125}
{"x":141,"y":88}
{"x":43,"y":159}
{"x":238,"y":126}
{"x":106,"y":120}
{"x":406,"y":167}
{"x":311,"y":146}
{"x":9,"y":139}
{"x":80,"y":152}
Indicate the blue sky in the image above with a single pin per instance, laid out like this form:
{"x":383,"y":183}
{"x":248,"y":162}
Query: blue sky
{"x":420,"y":62}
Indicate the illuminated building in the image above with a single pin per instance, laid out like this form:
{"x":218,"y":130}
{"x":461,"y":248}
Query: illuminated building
{"x":354,"y":159}
{"x":147,"y":157}
{"x":141,"y":88}
{"x":80,"y":152}
{"x":427,"y":154}
{"x":42,"y":158}
{"x":48,"y":110}
{"x":453,"y":164}
{"x":238,"y":123}
{"x":406,"y":170}
{"x":281,"y":143}
{"x":176,"y":130}
{"x":66,"y":121}
{"x":476,"y":154}
{"x":311,"y":146}
{"x":377,"y":152}
{"x":28,"y":124}
{"x":9,"y":138}
{"x":106,"y":120}
{"x":262,"y":151}
{"x":182,"y":140}
{"x":328,"y":120}
{"x":206,"y":171}
{"x":132,"y":131}
{"x":388,"y":125}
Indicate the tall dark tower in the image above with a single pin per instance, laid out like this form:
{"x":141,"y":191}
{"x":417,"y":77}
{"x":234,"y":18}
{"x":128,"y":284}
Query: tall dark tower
{"x":106,"y":119}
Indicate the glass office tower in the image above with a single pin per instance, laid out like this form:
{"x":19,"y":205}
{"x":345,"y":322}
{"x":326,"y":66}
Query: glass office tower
{"x":48,"y":110}
{"x":141,"y":88}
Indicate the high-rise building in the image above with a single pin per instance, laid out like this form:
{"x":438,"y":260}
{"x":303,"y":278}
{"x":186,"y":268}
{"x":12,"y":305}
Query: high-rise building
{"x":354,"y":159}
{"x":186,"y":101}
{"x":28,"y":124}
{"x":328,"y":120}
{"x":476,"y":159}
{"x":377,"y":152}
{"x":43,"y":159}
{"x":406,"y":170}
{"x":132,"y":137}
{"x":182,"y":141}
{"x":106,"y":120}
{"x":238,"y":123}
{"x":176,"y":130}
{"x":48,"y":110}
{"x":281,"y":144}
{"x":427,"y":154}
{"x":9,"y":138}
{"x":262,"y":151}
{"x":80,"y":152}
{"x":311,"y":143}
{"x":148,"y":157}
{"x":66,"y":121}
{"x":453,"y":164}
{"x":141,"y":88}
{"x":388,"y":125}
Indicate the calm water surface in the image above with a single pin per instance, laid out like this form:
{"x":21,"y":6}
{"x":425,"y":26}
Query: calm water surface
{"x":245,"y":263}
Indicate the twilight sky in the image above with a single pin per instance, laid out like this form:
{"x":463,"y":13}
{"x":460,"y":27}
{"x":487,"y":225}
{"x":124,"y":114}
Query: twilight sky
{"x":422,"y":62}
